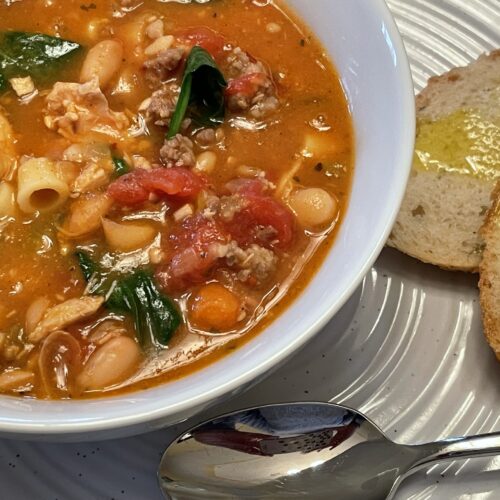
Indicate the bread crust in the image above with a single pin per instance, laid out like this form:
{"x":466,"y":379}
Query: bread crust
{"x":489,"y":282}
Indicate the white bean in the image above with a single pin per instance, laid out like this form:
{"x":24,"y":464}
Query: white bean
{"x":15,"y":380}
{"x":127,"y":237}
{"x":206,"y":162}
{"x":103,"y":61}
{"x":313,"y":207}
{"x":113,"y":362}
{"x":85,"y":215}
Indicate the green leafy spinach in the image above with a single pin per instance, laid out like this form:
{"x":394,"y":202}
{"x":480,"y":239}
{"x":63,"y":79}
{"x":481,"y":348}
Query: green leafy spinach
{"x":32,"y":54}
{"x":202,"y":92}
{"x":155,"y":316}
{"x":121,"y":166}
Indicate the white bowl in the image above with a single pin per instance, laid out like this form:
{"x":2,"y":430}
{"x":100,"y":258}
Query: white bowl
{"x":364,"y":43}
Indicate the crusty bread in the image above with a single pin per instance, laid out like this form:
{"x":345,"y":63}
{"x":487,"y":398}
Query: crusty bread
{"x":489,"y":283}
{"x":442,"y":213}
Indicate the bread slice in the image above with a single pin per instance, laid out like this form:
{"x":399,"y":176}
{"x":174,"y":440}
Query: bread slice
{"x":489,"y":283}
{"x":442,"y":213}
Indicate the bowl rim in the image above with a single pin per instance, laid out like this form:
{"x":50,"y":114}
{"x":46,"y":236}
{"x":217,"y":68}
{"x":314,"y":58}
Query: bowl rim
{"x":131,"y":418}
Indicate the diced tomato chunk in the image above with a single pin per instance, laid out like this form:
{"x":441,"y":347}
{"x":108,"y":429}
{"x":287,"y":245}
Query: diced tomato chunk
{"x":246,"y":85}
{"x":192,"y":253}
{"x":135,"y":187}
{"x":129,"y":189}
{"x":175,"y":181}
{"x":252,"y":224}
{"x":204,"y":37}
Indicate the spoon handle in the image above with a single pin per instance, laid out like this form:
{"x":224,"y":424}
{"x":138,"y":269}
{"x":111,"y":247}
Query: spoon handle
{"x":452,"y":449}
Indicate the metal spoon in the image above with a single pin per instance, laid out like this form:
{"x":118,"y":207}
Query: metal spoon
{"x":300,"y":450}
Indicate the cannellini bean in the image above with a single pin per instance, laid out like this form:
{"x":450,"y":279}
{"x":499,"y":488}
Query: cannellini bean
{"x":16,"y":380}
{"x":313,"y":207}
{"x":206,"y":162}
{"x":116,"y":360}
{"x":103,"y":61}
{"x":106,"y":331}
{"x":59,"y":362}
{"x":214,"y":307}
{"x":85,"y":215}
{"x":35,"y":313}
{"x":159,"y":45}
{"x":127,"y":237}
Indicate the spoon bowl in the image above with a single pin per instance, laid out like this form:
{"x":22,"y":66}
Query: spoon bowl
{"x":313,"y":450}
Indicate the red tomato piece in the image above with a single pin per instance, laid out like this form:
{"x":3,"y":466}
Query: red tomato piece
{"x":246,"y":85}
{"x":129,"y":189}
{"x":175,"y":181}
{"x":203,"y":37}
{"x":135,"y":187}
{"x":262,"y":212}
{"x":193,"y":255}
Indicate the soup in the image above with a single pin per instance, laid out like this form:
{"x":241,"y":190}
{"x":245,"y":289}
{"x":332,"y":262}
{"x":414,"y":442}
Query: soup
{"x":172,"y":176}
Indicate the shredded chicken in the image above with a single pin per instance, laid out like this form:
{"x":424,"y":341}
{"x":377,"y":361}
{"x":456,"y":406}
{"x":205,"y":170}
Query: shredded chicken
{"x":178,"y":152}
{"x":64,"y":314}
{"x":160,"y":68}
{"x":80,"y":108}
{"x":93,"y":176}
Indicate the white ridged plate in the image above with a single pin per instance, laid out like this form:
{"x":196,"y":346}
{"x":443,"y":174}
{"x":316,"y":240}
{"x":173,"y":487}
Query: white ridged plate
{"x":407,"y":349}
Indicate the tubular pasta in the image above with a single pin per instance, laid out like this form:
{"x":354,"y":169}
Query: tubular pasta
{"x":40,"y":186}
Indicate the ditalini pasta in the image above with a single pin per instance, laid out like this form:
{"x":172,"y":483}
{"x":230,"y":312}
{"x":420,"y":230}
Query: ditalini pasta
{"x":7,"y":199}
{"x":7,"y":150}
{"x":172,"y":174}
{"x":41,"y":186}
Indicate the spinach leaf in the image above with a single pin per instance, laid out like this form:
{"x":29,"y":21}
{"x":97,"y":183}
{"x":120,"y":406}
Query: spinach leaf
{"x":121,"y":166}
{"x":32,"y":54}
{"x":202,"y":91}
{"x":155,"y":315}
{"x":88,"y":267}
